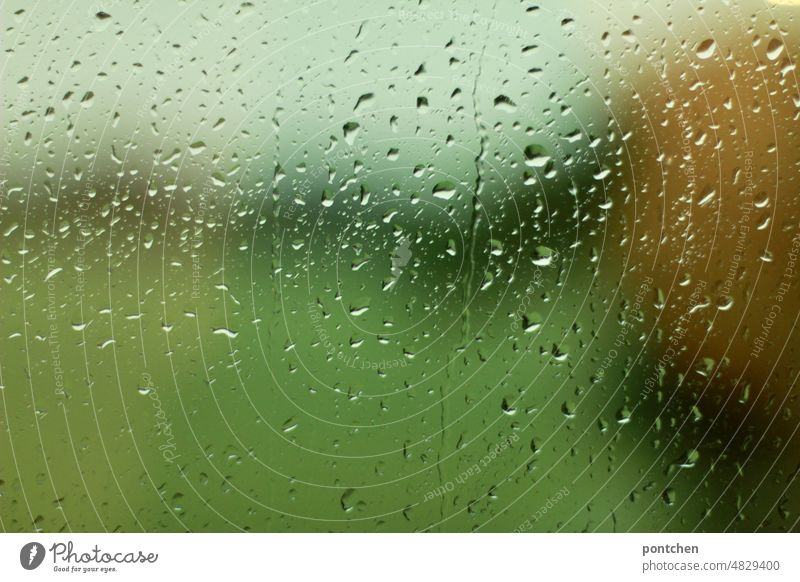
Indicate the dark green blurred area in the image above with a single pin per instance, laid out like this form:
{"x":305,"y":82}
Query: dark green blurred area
{"x":394,"y":268}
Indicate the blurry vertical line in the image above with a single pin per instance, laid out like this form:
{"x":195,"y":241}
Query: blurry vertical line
{"x":479,"y":182}
{"x":276,"y":212}
{"x":274,"y":265}
{"x":472,"y":235}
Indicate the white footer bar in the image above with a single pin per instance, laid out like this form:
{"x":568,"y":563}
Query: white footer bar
{"x":371,"y":557}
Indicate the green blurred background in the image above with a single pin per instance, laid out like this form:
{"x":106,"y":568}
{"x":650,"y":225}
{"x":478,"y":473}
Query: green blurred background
{"x":278,"y":266}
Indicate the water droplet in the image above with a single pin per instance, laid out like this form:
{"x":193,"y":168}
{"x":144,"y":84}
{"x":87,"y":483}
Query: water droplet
{"x":774,"y":49}
{"x":225,"y":331}
{"x":444,"y":190}
{"x":705,"y":49}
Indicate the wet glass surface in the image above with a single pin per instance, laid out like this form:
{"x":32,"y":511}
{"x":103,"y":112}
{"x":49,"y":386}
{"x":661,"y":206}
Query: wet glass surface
{"x":399,"y":266}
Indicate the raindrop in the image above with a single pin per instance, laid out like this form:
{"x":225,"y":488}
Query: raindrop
{"x":774,"y":49}
{"x":706,"y":48}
